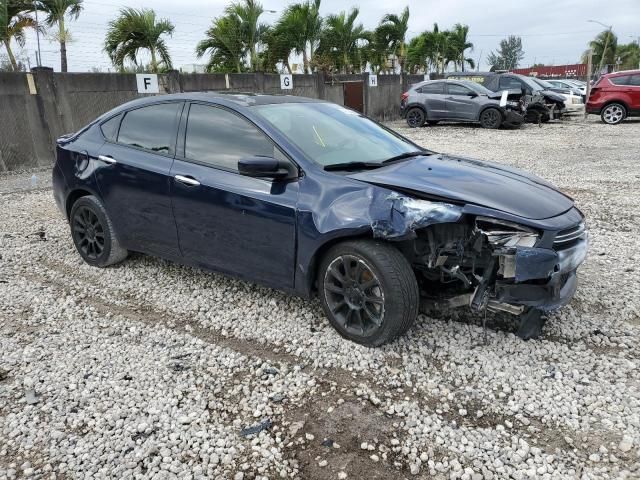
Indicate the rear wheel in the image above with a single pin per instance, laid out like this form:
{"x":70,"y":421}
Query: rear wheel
{"x":368,"y":291}
{"x":613,"y":113}
{"x":93,"y":233}
{"x":491,"y":118}
{"x":415,"y":117}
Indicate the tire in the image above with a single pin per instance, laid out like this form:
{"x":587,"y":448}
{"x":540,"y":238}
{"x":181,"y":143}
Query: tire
{"x":613,"y":113}
{"x":491,"y":118}
{"x":433,"y":122}
{"x":415,"y":117}
{"x":354,"y":271}
{"x":93,"y":233}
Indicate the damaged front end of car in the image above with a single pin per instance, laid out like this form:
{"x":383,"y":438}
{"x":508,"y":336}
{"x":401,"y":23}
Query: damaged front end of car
{"x":482,"y":262}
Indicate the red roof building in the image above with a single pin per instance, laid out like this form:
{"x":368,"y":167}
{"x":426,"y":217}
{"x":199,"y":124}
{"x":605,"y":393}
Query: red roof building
{"x":575,"y":70}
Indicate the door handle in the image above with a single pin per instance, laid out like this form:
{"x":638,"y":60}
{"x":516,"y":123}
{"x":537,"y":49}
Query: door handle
{"x":107,"y":159}
{"x":192,"y":182}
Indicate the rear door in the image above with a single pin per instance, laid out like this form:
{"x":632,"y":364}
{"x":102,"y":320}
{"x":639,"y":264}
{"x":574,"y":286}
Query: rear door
{"x":634,"y":92}
{"x":226,"y":221}
{"x":433,"y":97}
{"x":461,"y":102}
{"x":133,"y":176}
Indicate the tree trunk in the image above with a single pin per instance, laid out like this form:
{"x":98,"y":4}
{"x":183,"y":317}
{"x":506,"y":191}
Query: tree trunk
{"x":288,"y":67}
{"x":305,"y":60}
{"x":12,"y":58}
{"x":63,"y":45}
{"x":154,"y":63}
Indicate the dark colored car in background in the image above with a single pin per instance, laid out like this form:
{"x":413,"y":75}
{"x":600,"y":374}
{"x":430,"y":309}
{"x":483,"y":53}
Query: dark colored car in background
{"x":616,"y":96}
{"x":316,"y":199}
{"x":434,"y":101}
{"x":542,"y":105}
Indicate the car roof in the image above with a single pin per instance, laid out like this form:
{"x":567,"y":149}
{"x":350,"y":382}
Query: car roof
{"x":622,"y":72}
{"x":240,"y":99}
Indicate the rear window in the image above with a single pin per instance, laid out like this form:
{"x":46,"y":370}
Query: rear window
{"x":153,"y":128}
{"x":432,"y":88}
{"x":621,"y":80}
{"x":635,"y":80}
{"x":110,"y":128}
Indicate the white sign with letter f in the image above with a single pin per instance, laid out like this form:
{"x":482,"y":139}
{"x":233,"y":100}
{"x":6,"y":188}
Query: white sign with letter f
{"x":147,"y":83}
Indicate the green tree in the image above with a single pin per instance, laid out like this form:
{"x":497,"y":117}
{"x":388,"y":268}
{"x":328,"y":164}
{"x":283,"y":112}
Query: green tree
{"x":341,"y":38}
{"x":136,"y":30}
{"x":431,"y":50}
{"x":252,"y":32}
{"x":14,"y":20}
{"x":509,"y":54}
{"x":56,"y":11}
{"x":604,"y":48}
{"x":301,"y":24}
{"x":225,"y":45}
{"x":393,"y":29}
{"x":459,"y":43}
{"x":629,"y":56}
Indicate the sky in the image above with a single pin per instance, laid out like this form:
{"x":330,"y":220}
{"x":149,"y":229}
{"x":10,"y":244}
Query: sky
{"x":552,"y":31}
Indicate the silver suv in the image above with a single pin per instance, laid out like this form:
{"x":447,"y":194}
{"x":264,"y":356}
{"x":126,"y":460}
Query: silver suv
{"x":433,"y":101}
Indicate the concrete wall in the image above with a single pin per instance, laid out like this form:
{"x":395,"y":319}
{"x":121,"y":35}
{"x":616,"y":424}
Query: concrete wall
{"x":37,"y":108}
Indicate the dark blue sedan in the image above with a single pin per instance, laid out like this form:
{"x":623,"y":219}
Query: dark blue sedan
{"x":313,"y":198}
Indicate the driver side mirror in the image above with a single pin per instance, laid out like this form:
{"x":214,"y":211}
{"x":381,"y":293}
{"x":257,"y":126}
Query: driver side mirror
{"x":472,"y":94}
{"x":262,"y":167}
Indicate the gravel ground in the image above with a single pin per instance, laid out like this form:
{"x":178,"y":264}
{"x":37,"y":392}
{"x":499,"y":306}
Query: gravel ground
{"x":155,"y":370}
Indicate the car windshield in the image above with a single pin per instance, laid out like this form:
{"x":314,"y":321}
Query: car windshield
{"x":531,"y":83}
{"x":544,"y":83}
{"x":476,"y":87}
{"x":330,"y":134}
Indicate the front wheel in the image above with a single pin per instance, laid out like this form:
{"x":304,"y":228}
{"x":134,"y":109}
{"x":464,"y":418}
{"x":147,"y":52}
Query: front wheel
{"x":613,"y":114}
{"x":491,"y":118}
{"x":368,"y":291}
{"x":415,"y":117}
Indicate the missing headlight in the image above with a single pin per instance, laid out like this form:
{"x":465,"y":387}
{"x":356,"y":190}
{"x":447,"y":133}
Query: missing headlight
{"x":501,"y":233}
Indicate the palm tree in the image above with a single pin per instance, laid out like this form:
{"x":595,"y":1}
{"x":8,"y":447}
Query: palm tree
{"x":342,"y":36}
{"x":301,"y":23}
{"x":629,"y":55}
{"x":248,"y":12}
{"x":136,"y":30}
{"x":56,"y":11}
{"x":14,"y":20}
{"x":395,"y":28}
{"x":225,"y":45}
{"x":431,"y":50}
{"x":604,"y":48}
{"x":459,"y":43}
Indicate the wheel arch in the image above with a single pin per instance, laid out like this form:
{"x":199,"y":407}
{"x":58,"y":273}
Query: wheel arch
{"x":73,"y":197}
{"x":487,"y":107}
{"x":621,"y":102}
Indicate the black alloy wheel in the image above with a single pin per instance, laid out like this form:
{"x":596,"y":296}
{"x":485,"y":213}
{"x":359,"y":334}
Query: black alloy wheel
{"x":88,"y":233}
{"x":368,"y":291}
{"x":354,"y":295}
{"x":93,"y":233}
{"x":415,"y":117}
{"x":491,"y":118}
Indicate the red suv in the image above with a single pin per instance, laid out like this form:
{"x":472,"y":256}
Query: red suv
{"x":616,"y":96}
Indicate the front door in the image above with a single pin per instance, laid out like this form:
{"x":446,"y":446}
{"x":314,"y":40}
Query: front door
{"x":462,"y":102}
{"x":354,"y":95}
{"x":226,"y":221}
{"x":133,"y":174}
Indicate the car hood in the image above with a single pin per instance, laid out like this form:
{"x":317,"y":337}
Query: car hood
{"x":464,"y":180}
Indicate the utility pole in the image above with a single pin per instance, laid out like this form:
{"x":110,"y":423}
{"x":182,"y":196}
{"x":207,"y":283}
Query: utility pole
{"x":39,"y":56}
{"x":606,"y":42}
{"x":478,"y":64}
{"x":588,"y":92}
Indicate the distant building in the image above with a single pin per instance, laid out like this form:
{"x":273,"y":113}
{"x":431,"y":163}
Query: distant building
{"x":193,"y":68}
{"x":554,"y":71}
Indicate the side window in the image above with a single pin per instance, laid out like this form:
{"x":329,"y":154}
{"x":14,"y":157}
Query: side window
{"x":153,"y":128}
{"x":437,"y":87}
{"x":110,"y":128}
{"x":621,"y":80}
{"x":220,"y":138}
{"x":635,"y":80}
{"x":509,"y":83}
{"x":455,"y":89}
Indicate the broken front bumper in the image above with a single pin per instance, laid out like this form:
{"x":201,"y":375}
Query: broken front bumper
{"x":543,"y":278}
